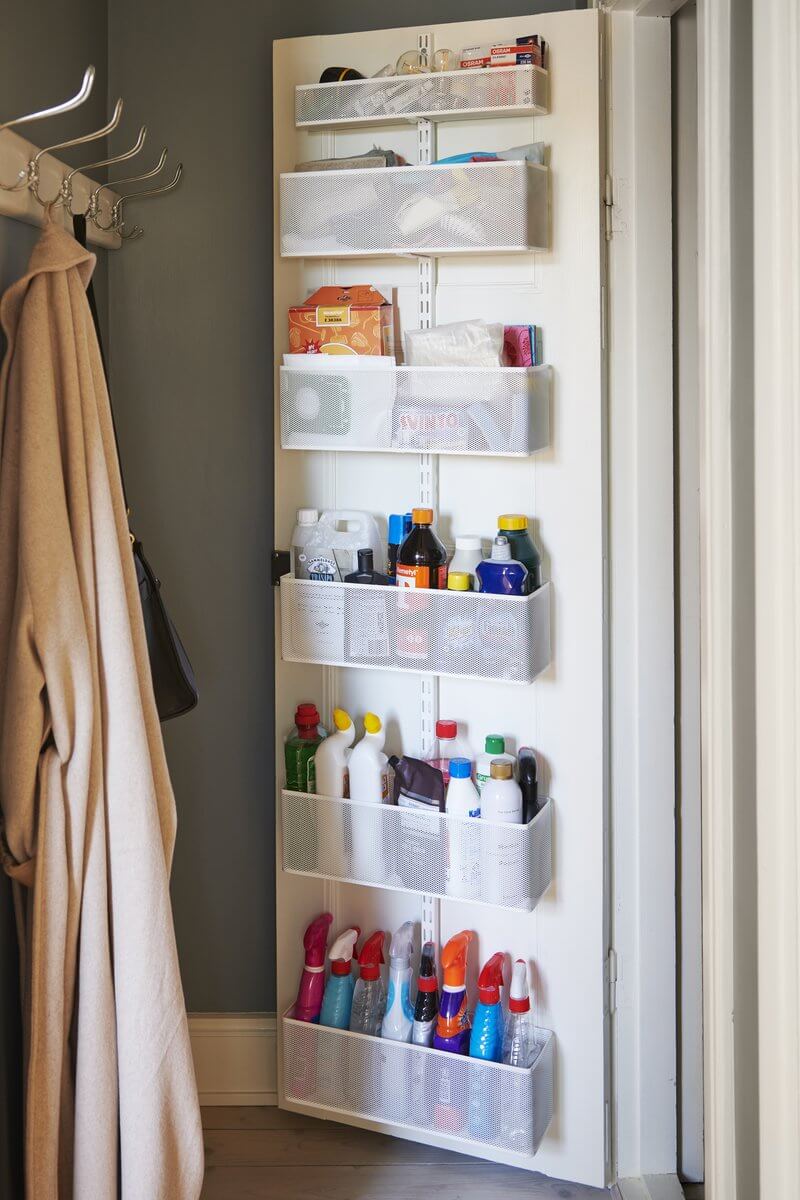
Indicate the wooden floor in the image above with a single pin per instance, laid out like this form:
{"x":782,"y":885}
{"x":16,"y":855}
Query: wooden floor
{"x":266,"y":1154}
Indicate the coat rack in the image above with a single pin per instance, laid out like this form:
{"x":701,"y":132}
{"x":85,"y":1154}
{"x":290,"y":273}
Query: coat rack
{"x":31,"y":177}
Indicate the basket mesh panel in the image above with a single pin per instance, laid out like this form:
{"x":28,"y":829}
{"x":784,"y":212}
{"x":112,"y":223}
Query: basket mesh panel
{"x":506,"y":865}
{"x":420,"y":409}
{"x":440,"y":95}
{"x":485,"y":1104}
{"x":473,"y":634}
{"x":477,"y":206}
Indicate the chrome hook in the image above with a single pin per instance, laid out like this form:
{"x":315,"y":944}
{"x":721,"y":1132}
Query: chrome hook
{"x":33,"y":165}
{"x":117,"y":223}
{"x":65,"y":106}
{"x":65,"y":195}
{"x":94,"y":199}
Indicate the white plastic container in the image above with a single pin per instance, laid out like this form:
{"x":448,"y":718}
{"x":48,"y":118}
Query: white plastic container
{"x":368,"y":767}
{"x":332,"y":757}
{"x":469,"y":552}
{"x":501,"y":796}
{"x":494,"y":750}
{"x":325,"y":546}
{"x":501,"y":804}
{"x":463,"y":805}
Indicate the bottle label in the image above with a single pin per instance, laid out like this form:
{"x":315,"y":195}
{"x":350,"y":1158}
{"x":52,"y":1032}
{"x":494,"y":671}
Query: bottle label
{"x":422,"y":1032}
{"x":421,"y":577}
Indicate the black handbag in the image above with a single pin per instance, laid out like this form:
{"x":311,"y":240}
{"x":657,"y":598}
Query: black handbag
{"x":174,"y":682}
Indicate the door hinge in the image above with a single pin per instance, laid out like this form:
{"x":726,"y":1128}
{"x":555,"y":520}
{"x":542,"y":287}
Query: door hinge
{"x":281,"y":565}
{"x":612,"y":974}
{"x":608,"y":204}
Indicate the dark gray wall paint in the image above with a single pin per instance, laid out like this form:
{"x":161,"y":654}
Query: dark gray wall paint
{"x":42,"y":60}
{"x":191,"y":350}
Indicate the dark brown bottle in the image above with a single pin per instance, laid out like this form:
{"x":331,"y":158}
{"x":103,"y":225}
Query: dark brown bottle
{"x":422,"y":558}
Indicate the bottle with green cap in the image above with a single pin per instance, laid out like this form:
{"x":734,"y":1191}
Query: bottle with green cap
{"x":514,"y":526}
{"x":494,"y":750}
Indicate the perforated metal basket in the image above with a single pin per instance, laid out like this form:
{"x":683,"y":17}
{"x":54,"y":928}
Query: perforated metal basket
{"x":440,"y":410}
{"x":381,"y":845}
{"x":469,"y":634}
{"x":489,"y":207}
{"x":397,"y":1084}
{"x":450,"y":95}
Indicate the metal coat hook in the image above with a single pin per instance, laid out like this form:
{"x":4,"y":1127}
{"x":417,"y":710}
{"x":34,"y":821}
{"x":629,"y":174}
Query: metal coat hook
{"x":65,"y":106}
{"x":33,"y":165}
{"x":94,"y":200}
{"x":117,"y":222}
{"x":66,"y":184}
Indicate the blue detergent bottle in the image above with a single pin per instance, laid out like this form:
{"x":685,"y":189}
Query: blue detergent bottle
{"x":486,"y":1042}
{"x":500,"y":573}
{"x":338,"y":998}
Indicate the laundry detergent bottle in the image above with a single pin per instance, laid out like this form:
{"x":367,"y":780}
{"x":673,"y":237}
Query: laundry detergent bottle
{"x":453,"y":1024}
{"x":312,"y":982}
{"x":338,"y":998}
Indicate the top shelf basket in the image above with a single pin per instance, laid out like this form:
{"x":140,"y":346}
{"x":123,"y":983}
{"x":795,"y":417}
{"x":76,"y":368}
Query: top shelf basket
{"x":439,"y":96}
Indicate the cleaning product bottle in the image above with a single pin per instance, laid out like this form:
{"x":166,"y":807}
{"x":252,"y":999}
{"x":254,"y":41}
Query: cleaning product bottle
{"x":397,"y":1025}
{"x":514,"y":526}
{"x":300,"y":748}
{"x":397,"y":532}
{"x":486,"y":1042}
{"x":338,"y":998}
{"x":529,"y":783}
{"x":469,"y":552}
{"x":307,"y":519}
{"x":332,"y":755}
{"x":458,"y":581}
{"x":463,"y":840}
{"x":501,"y":797}
{"x":449,"y":744}
{"x":501,"y":574}
{"x":494,"y":748}
{"x":505,"y":868}
{"x":325,"y":545}
{"x":453,"y":1024}
{"x":366,"y":572}
{"x":426,"y":1008}
{"x":422,"y":558}
{"x":369,"y":994}
{"x":519,"y":1043}
{"x":312,"y":982}
{"x":369,"y":784}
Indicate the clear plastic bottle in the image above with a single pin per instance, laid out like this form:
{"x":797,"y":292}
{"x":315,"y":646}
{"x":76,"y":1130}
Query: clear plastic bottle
{"x":519,"y":1043}
{"x":369,"y":995}
{"x":450,"y":744}
{"x":300,"y":748}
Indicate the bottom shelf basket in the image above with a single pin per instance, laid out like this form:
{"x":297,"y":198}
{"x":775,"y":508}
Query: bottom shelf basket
{"x":397,"y":1084}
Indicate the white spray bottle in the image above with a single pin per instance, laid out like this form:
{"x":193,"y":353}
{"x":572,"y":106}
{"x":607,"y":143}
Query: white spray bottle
{"x":369,"y":784}
{"x":398,"y":1023}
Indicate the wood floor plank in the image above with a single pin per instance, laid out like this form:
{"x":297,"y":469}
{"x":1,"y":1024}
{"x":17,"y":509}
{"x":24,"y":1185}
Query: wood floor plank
{"x":318,"y":1143}
{"x":434,"y":1181}
{"x":254,"y":1117}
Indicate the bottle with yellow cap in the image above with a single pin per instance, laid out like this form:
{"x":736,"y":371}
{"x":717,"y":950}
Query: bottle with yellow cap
{"x":331,"y":758}
{"x":422,"y":558}
{"x":514,"y":526}
{"x":369,"y":784}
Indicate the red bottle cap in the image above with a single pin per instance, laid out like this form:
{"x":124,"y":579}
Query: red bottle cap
{"x":490,"y":979}
{"x":306,"y":715}
{"x":427,"y":983}
{"x":446,"y":729}
{"x":371,"y":955}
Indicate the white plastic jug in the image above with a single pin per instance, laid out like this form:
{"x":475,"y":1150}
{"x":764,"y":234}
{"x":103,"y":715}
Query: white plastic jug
{"x":327,"y":549}
{"x":368,"y":768}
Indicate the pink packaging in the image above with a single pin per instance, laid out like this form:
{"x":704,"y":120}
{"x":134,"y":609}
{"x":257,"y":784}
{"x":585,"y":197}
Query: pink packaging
{"x":517,"y":349}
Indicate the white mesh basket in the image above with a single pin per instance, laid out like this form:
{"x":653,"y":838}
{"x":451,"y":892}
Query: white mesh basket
{"x":441,"y":209}
{"x":395,"y":1083}
{"x":470,"y":634}
{"x":450,"y":95}
{"x":439,"y":410}
{"x":381,"y":845}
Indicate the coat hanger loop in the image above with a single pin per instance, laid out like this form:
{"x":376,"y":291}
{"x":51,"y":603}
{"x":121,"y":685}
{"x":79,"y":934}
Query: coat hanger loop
{"x":33,"y":165}
{"x":117,"y":222}
{"x":66,"y":183}
{"x":65,"y":106}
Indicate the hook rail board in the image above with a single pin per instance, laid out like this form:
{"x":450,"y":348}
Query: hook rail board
{"x":22,"y":205}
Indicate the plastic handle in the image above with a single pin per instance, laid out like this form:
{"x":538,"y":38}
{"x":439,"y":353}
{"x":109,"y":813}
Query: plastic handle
{"x":333,"y":517}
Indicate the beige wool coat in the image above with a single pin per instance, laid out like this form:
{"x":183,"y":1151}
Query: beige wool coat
{"x":87,"y":807}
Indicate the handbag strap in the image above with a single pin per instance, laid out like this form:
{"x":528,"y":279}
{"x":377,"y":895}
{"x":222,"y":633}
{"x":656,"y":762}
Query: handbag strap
{"x":79,"y":232}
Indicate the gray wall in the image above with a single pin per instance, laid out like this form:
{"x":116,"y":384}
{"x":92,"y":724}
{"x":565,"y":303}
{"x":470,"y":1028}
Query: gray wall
{"x":191,"y":349}
{"x":42,"y":60}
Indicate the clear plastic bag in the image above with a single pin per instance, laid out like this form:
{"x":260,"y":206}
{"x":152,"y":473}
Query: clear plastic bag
{"x":462,"y":344}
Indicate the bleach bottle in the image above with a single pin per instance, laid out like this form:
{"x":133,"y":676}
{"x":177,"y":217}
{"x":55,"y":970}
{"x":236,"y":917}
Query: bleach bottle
{"x":369,"y":784}
{"x":397,"y":1025}
{"x":486,"y":1042}
{"x":338,"y":998}
{"x":333,"y":779}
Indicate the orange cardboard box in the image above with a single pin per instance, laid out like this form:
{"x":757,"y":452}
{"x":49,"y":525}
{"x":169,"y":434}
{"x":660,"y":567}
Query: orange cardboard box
{"x":342,"y":320}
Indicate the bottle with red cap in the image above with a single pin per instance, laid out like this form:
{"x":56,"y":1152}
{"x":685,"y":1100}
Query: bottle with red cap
{"x":300,"y":748}
{"x":369,"y":996}
{"x":486,"y":1038}
{"x":519,"y":1043}
{"x":450,"y":744}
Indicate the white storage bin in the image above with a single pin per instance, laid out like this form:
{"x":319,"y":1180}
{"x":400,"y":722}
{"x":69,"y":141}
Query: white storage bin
{"x":490,"y":207}
{"x":381,"y":845}
{"x":438,"y":410}
{"x":470,"y":634}
{"x":397,"y":1084}
{"x":449,"y":95}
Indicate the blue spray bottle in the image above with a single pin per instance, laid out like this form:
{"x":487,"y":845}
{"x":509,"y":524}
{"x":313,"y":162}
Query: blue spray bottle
{"x":338,"y":998}
{"x":486,"y":1042}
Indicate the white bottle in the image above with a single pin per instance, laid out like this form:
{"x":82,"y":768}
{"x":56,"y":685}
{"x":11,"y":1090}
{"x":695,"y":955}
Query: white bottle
{"x":469,"y":552}
{"x":505,"y":879}
{"x":330,"y":768}
{"x":328,"y":550}
{"x":450,"y":744}
{"x":463,"y":842}
{"x":495,"y":750}
{"x":307,"y":519}
{"x":369,"y":784}
{"x":397,"y":1025}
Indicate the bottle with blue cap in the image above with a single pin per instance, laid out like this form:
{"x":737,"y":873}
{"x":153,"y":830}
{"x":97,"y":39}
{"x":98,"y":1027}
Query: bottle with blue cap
{"x":462,"y":802}
{"x":399,"y":527}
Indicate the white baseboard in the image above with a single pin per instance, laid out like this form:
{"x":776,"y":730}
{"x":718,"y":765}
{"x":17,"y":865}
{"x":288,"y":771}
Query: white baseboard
{"x":235,"y":1057}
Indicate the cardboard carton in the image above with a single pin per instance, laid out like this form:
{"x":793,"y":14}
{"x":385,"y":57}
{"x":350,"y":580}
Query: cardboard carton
{"x":342,"y":320}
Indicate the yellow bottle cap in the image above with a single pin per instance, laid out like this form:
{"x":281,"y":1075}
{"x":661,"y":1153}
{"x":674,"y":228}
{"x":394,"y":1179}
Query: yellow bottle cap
{"x":500,"y":770}
{"x":422,"y":516}
{"x":512,"y":521}
{"x":372,"y":724}
{"x":458,"y":581}
{"x":341,"y":719}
